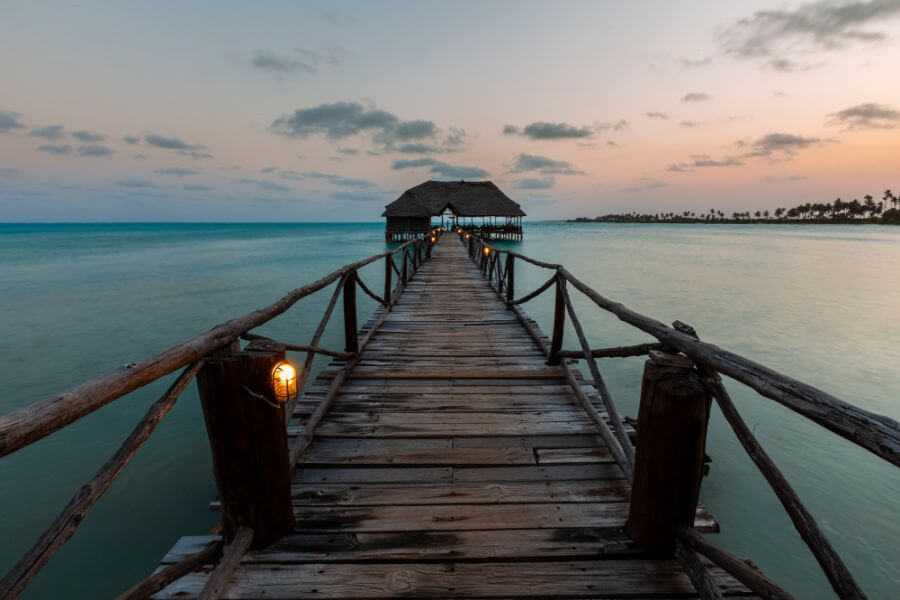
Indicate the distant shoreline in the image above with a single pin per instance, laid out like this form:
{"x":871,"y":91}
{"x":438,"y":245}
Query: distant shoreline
{"x":695,"y":221}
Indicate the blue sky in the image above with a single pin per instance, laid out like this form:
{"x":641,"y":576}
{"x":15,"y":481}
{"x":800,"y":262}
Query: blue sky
{"x":203,"y":111}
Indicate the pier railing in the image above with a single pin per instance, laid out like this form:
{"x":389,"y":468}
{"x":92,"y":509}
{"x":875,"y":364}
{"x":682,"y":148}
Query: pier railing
{"x":40,"y":419}
{"x":878,"y":434}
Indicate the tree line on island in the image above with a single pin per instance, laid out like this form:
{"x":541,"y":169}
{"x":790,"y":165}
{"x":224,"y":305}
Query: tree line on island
{"x":886,"y":211}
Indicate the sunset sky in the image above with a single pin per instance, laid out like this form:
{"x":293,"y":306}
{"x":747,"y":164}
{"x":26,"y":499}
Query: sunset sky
{"x":233,"y":111}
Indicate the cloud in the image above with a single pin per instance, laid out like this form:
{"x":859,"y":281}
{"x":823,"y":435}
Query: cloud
{"x":617,"y":126}
{"x":542,"y":130}
{"x":456,"y":137}
{"x":177,"y":171}
{"x":535,"y":183}
{"x":50,"y":132}
{"x":170,"y":143}
{"x":94,"y":150}
{"x":293,"y":175}
{"x":784,"y":178}
{"x":9,"y":120}
{"x":656,"y":115}
{"x":820,"y":25}
{"x":264,"y":184}
{"x":87,"y":136}
{"x":140,"y":157}
{"x":131,"y":139}
{"x":866,"y":116}
{"x":135,"y":183}
{"x":340,"y":179}
{"x":786,"y":65}
{"x":690,"y":124}
{"x":785,"y":144}
{"x":60,"y":150}
{"x":511,"y":130}
{"x":348,"y":151}
{"x":440,"y":168}
{"x":268,"y":169}
{"x":612,"y":144}
{"x":339,"y":120}
{"x":299,"y":61}
{"x":688,"y":63}
{"x":699,"y":161}
{"x":646,"y":183}
{"x":695,"y":97}
{"x":196,"y":187}
{"x":523,"y":163}
{"x":194,"y":154}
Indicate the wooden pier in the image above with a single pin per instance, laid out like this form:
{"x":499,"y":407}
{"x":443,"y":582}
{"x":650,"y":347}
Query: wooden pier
{"x":451,"y":450}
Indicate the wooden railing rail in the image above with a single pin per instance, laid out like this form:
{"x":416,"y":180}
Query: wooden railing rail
{"x":876,"y":433}
{"x":40,"y":419}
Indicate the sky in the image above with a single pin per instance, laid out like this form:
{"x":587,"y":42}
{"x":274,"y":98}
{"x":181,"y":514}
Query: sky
{"x":306,"y":111}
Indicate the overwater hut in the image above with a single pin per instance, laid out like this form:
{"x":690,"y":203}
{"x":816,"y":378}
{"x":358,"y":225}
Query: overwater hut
{"x":476,"y":206}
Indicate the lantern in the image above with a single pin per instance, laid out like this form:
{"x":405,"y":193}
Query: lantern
{"x":284,"y":382}
{"x":487,"y":250}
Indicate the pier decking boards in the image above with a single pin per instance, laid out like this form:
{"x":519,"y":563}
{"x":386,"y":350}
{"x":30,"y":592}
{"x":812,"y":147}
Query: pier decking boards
{"x":454,"y":462}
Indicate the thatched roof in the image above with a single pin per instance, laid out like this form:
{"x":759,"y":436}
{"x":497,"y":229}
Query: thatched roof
{"x":465,"y":198}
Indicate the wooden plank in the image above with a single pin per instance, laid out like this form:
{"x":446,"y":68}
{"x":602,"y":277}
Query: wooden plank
{"x":547,"y":456}
{"x":396,"y":494}
{"x":606,"y":578}
{"x":317,"y":456}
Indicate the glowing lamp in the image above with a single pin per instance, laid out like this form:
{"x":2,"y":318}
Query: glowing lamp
{"x":487,"y":250}
{"x":433,"y":239}
{"x":284,"y":381}
{"x":468,"y":235}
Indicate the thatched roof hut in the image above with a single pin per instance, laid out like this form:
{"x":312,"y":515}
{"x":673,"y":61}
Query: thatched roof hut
{"x":410,"y":214}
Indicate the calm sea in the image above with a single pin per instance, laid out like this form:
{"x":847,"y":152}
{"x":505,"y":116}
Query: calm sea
{"x":820,"y":303}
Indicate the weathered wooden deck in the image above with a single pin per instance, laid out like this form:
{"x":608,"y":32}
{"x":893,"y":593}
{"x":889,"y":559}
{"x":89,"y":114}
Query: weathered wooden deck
{"x":453,"y":463}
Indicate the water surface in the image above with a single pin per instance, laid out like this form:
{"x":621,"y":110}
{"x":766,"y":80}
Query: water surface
{"x":820,"y":303}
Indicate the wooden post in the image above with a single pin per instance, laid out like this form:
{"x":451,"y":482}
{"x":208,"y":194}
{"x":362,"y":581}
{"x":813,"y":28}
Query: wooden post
{"x":388,"y":276}
{"x":559,"y":322}
{"x":351,"y":331}
{"x":510,"y":277}
{"x":672,"y":421}
{"x":428,"y":248}
{"x":404,"y":273}
{"x":248,"y":437}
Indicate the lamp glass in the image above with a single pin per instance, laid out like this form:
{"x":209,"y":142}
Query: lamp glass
{"x":284,"y":382}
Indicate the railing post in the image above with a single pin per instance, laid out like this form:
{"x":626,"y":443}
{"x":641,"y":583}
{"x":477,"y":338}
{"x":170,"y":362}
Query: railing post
{"x":428,"y":246}
{"x":351,"y":331}
{"x":510,"y":277}
{"x":247,"y":432}
{"x":668,"y":469}
{"x":404,"y":274}
{"x":559,"y":322}
{"x":388,"y":276}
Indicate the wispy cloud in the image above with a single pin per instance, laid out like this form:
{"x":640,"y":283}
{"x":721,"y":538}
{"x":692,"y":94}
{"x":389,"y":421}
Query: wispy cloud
{"x":196,"y":187}
{"x":94,"y":150}
{"x":87,"y":136}
{"x":535,"y":183}
{"x":784,"y":178}
{"x":814,"y":26}
{"x":340,"y":179}
{"x":264,"y":184}
{"x":690,"y":63}
{"x":524,"y":163}
{"x":656,"y":115}
{"x":866,"y":116}
{"x":695,"y":97}
{"x":441,"y":168}
{"x":298,"y":60}
{"x":131,"y":139}
{"x":177,"y":171}
{"x":169,"y":143}
{"x":9,"y":121}
{"x":135,"y":183}
{"x":61,"y":149}
{"x":50,"y":132}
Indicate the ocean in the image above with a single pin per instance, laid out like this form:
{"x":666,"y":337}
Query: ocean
{"x":819,"y":303}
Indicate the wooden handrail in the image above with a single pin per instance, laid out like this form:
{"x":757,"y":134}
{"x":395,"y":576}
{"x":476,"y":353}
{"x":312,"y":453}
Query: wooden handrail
{"x":39,"y":419}
{"x":617,"y":352}
{"x":165,"y":576}
{"x":879,"y":434}
{"x":710,"y":361}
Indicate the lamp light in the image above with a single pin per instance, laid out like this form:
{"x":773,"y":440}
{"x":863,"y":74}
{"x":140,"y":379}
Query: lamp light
{"x":284,"y":382}
{"x":487,"y":250}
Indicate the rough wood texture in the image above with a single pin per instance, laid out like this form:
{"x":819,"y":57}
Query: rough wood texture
{"x":248,"y":437}
{"x":172,"y":572}
{"x":672,"y":420}
{"x":448,"y":460}
{"x":224,"y":571}
{"x":64,"y":526}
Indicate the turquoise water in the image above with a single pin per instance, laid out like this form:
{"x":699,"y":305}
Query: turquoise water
{"x":821,"y":303}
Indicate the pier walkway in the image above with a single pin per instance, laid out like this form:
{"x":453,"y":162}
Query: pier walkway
{"x":454,"y":462}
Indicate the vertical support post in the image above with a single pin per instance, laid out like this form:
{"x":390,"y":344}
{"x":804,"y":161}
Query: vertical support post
{"x":559,"y":322}
{"x":388,"y":276}
{"x":668,"y":469}
{"x":428,"y":248}
{"x":404,"y":273}
{"x":248,"y":436}
{"x":470,"y":247}
{"x":351,"y":331}
{"x":510,"y":277}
